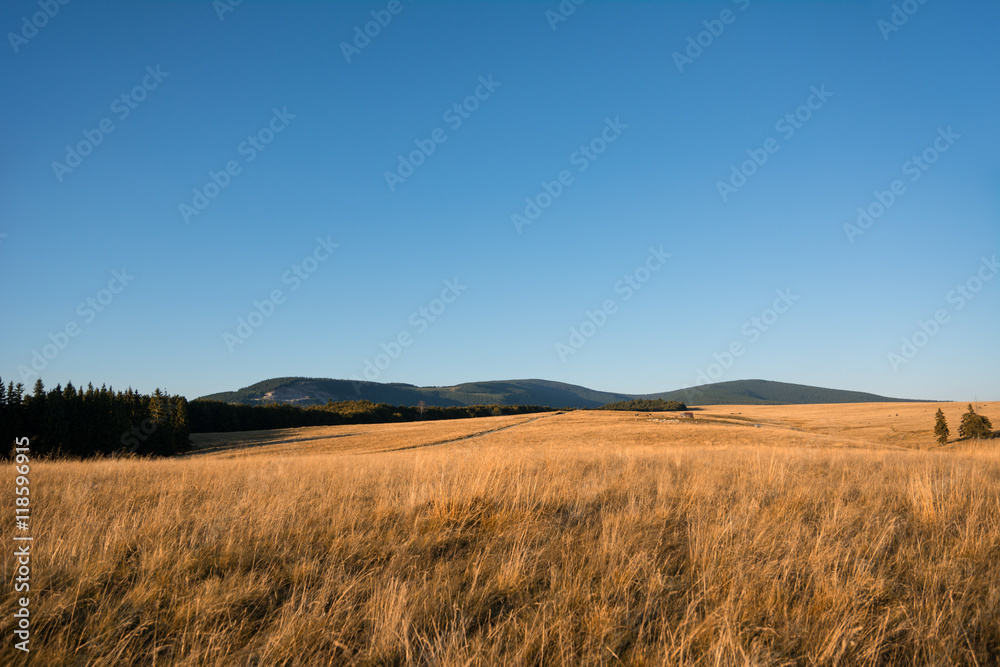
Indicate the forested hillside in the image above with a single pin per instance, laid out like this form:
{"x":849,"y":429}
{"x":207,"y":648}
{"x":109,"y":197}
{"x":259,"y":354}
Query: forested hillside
{"x":317,"y":391}
{"x":766,"y":392}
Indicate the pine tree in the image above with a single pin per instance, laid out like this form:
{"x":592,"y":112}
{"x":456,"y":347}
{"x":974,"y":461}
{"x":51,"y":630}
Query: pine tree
{"x":941,"y":427}
{"x":14,"y":393}
{"x":974,"y":425}
{"x":158,"y":418}
{"x":35,"y":408}
{"x":159,"y":408}
{"x":179,"y":425}
{"x":7,"y":432}
{"x":56,"y":426}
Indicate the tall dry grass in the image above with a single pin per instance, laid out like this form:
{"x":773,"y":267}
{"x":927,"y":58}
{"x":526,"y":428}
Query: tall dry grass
{"x":500,"y":554}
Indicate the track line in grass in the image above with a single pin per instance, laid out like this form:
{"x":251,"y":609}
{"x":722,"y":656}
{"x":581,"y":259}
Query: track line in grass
{"x":262,"y":443}
{"x":461,"y":438}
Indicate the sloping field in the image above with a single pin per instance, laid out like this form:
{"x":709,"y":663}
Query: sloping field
{"x":362,"y":438}
{"x":905,"y":425}
{"x":868,"y":424}
{"x":566,"y":539}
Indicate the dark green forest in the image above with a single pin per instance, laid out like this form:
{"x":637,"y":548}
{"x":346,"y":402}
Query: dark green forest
{"x":71,"y":422}
{"x":646,"y":405}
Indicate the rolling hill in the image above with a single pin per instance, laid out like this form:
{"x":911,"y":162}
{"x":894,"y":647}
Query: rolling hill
{"x":316,"y":391}
{"x":766,"y":392}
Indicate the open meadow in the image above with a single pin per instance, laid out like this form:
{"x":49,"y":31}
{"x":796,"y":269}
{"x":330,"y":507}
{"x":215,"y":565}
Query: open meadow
{"x":749,"y":535}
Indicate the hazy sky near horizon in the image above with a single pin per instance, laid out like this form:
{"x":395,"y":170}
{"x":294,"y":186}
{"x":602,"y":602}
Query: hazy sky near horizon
{"x":631,"y":196}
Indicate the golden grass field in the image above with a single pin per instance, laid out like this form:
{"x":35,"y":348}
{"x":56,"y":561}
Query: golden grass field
{"x":829,"y":535}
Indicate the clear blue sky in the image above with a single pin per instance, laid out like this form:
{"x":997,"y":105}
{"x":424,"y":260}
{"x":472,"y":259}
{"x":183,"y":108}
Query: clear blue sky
{"x":672,"y":130}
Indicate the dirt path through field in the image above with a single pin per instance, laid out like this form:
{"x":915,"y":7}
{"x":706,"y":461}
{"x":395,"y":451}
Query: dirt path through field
{"x":259,"y":439}
{"x":480,"y":434}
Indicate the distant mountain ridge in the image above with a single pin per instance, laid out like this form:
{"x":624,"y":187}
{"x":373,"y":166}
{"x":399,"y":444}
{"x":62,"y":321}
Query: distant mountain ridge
{"x":767,"y":392}
{"x":317,"y":391}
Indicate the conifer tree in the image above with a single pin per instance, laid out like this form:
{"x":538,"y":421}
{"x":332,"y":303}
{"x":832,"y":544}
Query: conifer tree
{"x":178,"y":424}
{"x":941,"y":427}
{"x":159,"y":408}
{"x":6,"y":427}
{"x":35,"y":409}
{"x":974,"y":425}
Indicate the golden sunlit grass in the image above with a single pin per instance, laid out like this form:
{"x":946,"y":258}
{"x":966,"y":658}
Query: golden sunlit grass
{"x":577,"y":538}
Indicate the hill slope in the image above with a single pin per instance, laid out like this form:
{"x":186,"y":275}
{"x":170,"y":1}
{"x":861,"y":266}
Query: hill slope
{"x":766,"y":392}
{"x":316,"y":391}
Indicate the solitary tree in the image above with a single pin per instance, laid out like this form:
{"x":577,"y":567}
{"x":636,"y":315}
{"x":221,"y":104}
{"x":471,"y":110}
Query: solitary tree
{"x":974,"y":425}
{"x":941,"y":427}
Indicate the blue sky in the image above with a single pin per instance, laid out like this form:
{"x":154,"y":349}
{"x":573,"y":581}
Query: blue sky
{"x":643,"y":125}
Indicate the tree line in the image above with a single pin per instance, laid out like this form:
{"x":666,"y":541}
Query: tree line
{"x":72,"y":422}
{"x":645,"y":405}
{"x":206,"y":416}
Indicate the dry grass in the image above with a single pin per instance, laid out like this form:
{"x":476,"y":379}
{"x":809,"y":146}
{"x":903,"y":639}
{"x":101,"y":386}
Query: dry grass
{"x":583,"y":538}
{"x":908,"y":425}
